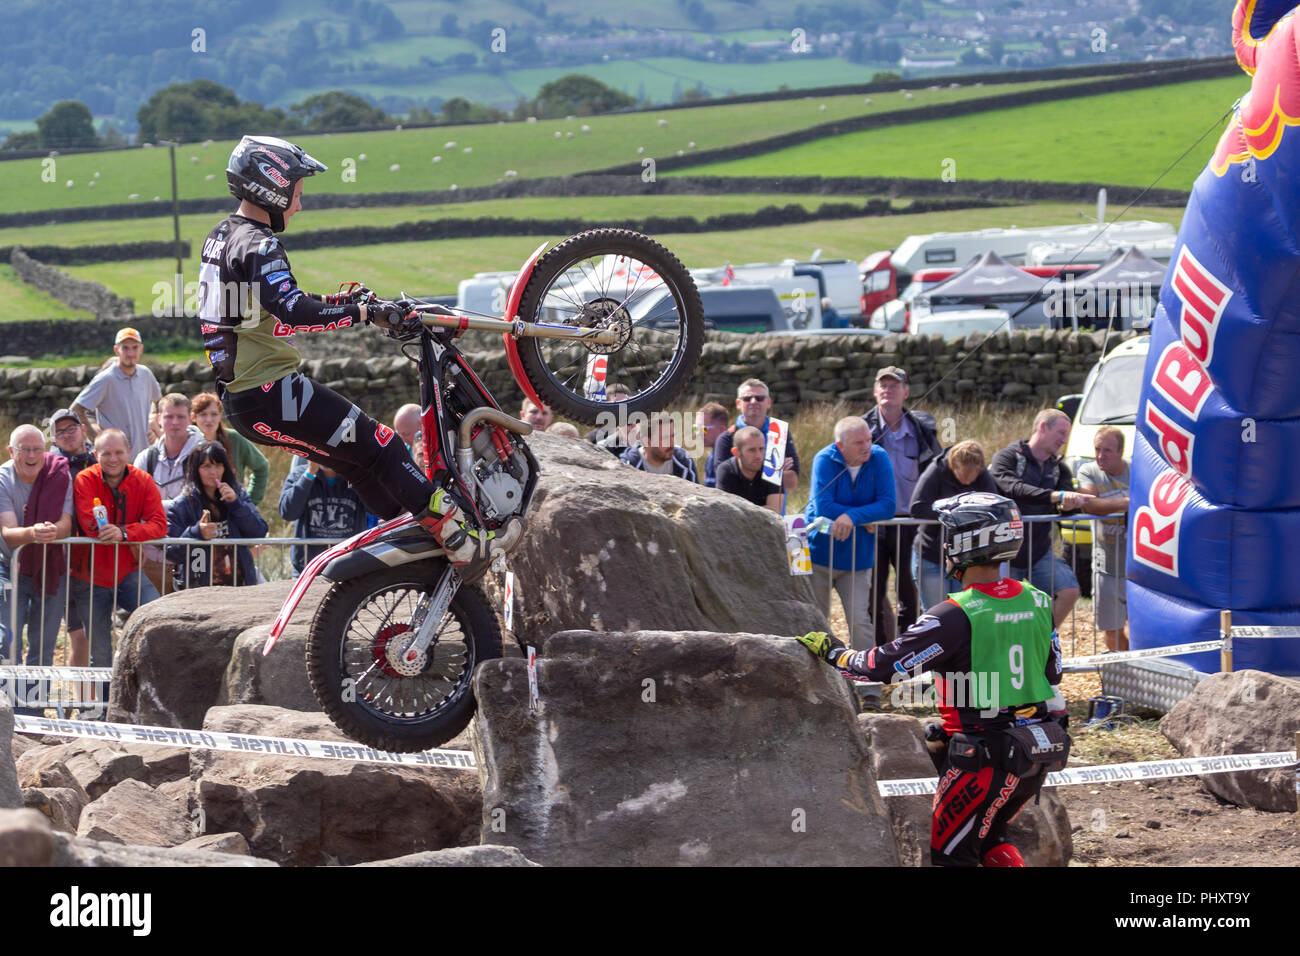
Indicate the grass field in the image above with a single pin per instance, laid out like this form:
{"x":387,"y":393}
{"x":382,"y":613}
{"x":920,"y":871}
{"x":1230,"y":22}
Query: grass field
{"x":531,"y":149}
{"x":1119,"y":138}
{"x":22,"y":301}
{"x":595,"y":209}
{"x":425,"y":268}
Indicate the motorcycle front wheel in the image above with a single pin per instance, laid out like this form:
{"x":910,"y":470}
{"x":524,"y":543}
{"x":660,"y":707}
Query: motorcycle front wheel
{"x":611,"y":279}
{"x":361,"y":678}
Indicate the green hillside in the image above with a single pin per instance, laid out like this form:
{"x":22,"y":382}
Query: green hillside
{"x":1117,"y":138}
{"x":544,"y":148}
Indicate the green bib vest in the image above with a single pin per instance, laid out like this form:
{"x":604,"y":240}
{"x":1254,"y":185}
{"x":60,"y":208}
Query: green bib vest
{"x":1010,"y":641}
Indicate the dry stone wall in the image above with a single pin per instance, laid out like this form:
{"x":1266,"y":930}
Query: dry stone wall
{"x":1023,"y":367}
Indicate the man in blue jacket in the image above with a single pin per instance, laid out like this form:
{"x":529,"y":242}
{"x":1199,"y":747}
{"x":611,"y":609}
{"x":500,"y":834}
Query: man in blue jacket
{"x":322,"y":504}
{"x":853,"y":487}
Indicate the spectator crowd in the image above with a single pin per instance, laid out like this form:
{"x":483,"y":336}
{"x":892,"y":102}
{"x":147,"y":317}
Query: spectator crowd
{"x":128,"y":465}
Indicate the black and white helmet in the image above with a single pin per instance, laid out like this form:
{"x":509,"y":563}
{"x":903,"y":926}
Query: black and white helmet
{"x":263,"y":169}
{"x":979,"y":528}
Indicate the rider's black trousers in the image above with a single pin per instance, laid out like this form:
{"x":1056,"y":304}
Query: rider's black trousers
{"x":317,"y":422}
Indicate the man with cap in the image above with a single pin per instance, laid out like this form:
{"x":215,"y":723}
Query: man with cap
{"x":123,"y":396}
{"x":909,"y":439}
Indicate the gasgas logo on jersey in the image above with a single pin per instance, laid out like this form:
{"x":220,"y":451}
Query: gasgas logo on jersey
{"x":283,"y":329}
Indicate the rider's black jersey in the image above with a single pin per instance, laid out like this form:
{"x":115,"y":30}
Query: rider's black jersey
{"x":940,"y":641}
{"x":250,"y":305}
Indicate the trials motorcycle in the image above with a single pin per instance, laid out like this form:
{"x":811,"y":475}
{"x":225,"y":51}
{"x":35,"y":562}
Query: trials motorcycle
{"x":393,"y":646}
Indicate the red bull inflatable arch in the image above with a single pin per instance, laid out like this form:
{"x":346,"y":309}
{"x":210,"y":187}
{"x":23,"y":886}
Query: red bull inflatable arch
{"x":1215,"y":516}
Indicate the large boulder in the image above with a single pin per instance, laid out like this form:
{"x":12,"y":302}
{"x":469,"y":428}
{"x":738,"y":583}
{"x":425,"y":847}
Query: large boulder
{"x":279,"y":678}
{"x":96,"y":766}
{"x":171,"y":663}
{"x":78,"y":851}
{"x":1243,"y":712}
{"x":461,"y":856}
{"x":25,"y":839}
{"x":310,"y":812}
{"x":135,"y":813}
{"x":218,"y":843}
{"x":610,"y":548}
{"x":676,"y":748}
{"x":62,"y":806}
{"x":1041,"y":831}
{"x":11,"y":797}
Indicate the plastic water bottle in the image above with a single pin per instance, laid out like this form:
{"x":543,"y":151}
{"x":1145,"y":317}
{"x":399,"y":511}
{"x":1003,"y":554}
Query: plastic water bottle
{"x":101,"y":514}
{"x":820,"y":523}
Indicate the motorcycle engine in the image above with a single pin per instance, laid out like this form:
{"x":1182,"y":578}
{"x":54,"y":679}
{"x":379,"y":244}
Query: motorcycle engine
{"x":500,"y":490}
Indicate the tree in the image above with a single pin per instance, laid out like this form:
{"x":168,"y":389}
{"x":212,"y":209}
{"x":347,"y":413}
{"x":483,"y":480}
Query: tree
{"x":183,"y":111}
{"x":456,"y":110}
{"x":68,"y":124}
{"x":28,"y":139}
{"x":450,"y":26}
{"x":338,"y":110}
{"x":580,"y":95}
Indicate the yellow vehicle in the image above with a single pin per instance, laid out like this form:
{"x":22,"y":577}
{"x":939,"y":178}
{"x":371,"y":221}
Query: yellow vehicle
{"x":1109,"y":397}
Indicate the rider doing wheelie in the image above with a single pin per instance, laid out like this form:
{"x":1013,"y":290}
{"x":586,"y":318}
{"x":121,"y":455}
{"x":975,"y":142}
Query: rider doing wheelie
{"x":997,"y":664}
{"x":251,"y":306}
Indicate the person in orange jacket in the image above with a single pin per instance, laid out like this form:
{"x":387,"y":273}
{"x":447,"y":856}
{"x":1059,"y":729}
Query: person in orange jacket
{"x":105,"y":577}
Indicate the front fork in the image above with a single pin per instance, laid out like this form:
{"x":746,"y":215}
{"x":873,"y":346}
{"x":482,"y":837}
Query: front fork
{"x":429,"y":613}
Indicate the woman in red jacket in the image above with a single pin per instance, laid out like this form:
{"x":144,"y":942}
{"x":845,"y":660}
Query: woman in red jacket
{"x":106,"y":575}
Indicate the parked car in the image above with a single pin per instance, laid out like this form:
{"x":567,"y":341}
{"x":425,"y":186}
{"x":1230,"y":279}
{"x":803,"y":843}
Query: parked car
{"x":1109,"y":397}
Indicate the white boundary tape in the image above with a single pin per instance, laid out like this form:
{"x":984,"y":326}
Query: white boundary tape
{"x":1254,"y":630}
{"x":1093,"y":661}
{"x":1121,"y":772}
{"x":1090,"y":663}
{"x":57,"y":673}
{"x":242,"y":743}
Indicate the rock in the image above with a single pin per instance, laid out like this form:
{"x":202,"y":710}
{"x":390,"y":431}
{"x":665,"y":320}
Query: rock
{"x":42,"y":771}
{"x":1123,"y":834}
{"x":1153,"y":824}
{"x":614,"y":549}
{"x":172,"y":661}
{"x":19,"y":744}
{"x":178,"y":790}
{"x":218,"y":843}
{"x":896,"y":743}
{"x":656,"y":748}
{"x":11,"y":797}
{"x":1239,"y":713}
{"x":62,"y":806}
{"x":1041,"y":832}
{"x":134,"y":812}
{"x":77,"y":851}
{"x":95,"y":766}
{"x":278,"y":678}
{"x":25,"y":839}
{"x":306,"y":812}
{"x":461,"y":856}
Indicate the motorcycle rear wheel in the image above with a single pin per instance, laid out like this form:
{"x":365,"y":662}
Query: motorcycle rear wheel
{"x":611,"y":278}
{"x":351,"y":671}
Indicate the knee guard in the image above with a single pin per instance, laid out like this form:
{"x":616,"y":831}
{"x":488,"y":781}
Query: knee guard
{"x":1004,"y":854}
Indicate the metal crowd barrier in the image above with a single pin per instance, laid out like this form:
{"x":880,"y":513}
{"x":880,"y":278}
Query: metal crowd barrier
{"x":28,"y":683}
{"x":930,"y":585}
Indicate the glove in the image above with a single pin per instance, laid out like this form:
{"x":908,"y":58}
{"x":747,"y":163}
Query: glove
{"x":350,"y":293}
{"x":403,"y":322}
{"x":822,"y":645}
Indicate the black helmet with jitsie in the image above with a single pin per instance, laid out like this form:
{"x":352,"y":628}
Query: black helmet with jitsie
{"x":979,"y":528}
{"x":263,"y":169}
